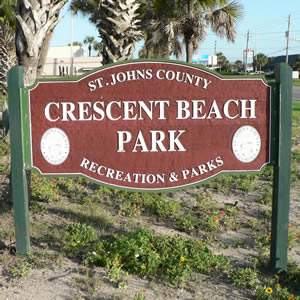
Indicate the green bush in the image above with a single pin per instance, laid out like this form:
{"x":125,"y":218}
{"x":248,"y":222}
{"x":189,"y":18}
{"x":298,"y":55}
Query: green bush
{"x":147,"y":255}
{"x":133,"y":204}
{"x":187,"y":223}
{"x":77,"y":239}
{"x":4,"y":147}
{"x":245,"y":278}
{"x":43,"y":188}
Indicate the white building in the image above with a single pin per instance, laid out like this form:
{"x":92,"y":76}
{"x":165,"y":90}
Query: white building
{"x":295,"y":74}
{"x":209,"y":61}
{"x":60,"y":61}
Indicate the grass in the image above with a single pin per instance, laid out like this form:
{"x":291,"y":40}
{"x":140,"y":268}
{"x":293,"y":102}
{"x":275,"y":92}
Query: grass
{"x":296,"y":82}
{"x":296,"y":106}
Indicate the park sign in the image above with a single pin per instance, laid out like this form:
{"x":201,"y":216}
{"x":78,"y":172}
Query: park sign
{"x":149,"y":125}
{"x":152,"y":125}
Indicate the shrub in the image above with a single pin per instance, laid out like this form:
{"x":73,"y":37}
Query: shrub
{"x":147,"y":255}
{"x":77,"y":239}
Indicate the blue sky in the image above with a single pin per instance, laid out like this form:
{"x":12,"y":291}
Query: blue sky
{"x":266,"y":20}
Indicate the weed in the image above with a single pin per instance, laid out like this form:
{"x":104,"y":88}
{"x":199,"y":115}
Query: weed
{"x":245,"y":183}
{"x":262,"y":240}
{"x":266,"y":195}
{"x":115,"y":272}
{"x":221,"y":184}
{"x":74,"y":189}
{"x":244,"y":278}
{"x":87,"y":283}
{"x":169,"y":258}
{"x":266,"y":174}
{"x":43,"y":188}
{"x":228,"y":217}
{"x":211,"y":223}
{"x":65,"y":184}
{"x":225,"y":184}
{"x":4,"y":147}
{"x":296,"y":156}
{"x":187,"y":223}
{"x":230,"y":223}
{"x":207,"y":216}
{"x":205,"y":202}
{"x":254,"y":224}
{"x":267,"y":214}
{"x":43,"y":259}
{"x":77,"y":238}
{"x":139,"y":296}
{"x":129,"y":204}
{"x":4,"y":168}
{"x":295,"y":172}
{"x":37,"y":208}
{"x":162,"y":207}
{"x":19,"y":270}
{"x":264,"y":293}
{"x":276,"y":292}
{"x":291,"y":279}
{"x":133,"y":204}
{"x":239,"y":243}
{"x":3,"y":233}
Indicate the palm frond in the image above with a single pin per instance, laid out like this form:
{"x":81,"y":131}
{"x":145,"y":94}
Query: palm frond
{"x":223,"y":19}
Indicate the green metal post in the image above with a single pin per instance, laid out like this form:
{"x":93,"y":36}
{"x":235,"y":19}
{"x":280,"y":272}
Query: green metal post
{"x":282,"y":159}
{"x":18,"y":174}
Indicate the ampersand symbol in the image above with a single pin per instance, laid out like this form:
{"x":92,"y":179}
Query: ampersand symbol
{"x":173,"y":177}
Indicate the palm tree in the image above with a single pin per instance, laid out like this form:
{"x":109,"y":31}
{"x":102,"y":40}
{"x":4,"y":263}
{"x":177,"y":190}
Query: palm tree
{"x":36,"y":20}
{"x":260,"y":60}
{"x":98,"y":47}
{"x":159,"y":42}
{"x":7,"y":33}
{"x":117,"y":23}
{"x":239,"y":65}
{"x":223,"y":62}
{"x":190,"y":20}
{"x":89,"y":40}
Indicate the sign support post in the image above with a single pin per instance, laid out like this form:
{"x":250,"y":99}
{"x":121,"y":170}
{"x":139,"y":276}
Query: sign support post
{"x":18,"y":174}
{"x":282,"y":160}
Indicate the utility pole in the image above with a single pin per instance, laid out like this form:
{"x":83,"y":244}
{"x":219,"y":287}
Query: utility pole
{"x":246,"y":53}
{"x":215,"y":47}
{"x":72,"y":41}
{"x":287,"y":34}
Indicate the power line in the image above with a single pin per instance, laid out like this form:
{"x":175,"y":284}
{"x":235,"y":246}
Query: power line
{"x":268,"y":33}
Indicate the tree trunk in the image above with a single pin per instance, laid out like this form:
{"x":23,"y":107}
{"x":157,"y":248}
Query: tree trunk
{"x":189,"y":50}
{"x":35,"y":22}
{"x":43,"y":54}
{"x":189,"y":47}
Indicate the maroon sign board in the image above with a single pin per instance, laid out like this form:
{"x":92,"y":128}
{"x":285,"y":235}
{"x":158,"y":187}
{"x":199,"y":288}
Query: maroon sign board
{"x":150,"y":125}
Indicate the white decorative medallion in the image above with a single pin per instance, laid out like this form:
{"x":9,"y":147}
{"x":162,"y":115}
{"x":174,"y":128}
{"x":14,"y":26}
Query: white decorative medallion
{"x":55,"y":146}
{"x":246,"y":144}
